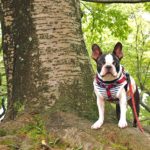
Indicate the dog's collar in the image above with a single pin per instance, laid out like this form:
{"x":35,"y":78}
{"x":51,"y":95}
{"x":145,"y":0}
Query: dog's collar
{"x":119,"y":80}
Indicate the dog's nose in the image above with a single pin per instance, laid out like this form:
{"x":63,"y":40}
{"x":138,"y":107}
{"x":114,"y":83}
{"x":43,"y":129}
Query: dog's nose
{"x":108,"y":67}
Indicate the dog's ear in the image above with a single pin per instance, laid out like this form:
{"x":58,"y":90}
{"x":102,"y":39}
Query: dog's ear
{"x":118,"y":50}
{"x":96,"y":52}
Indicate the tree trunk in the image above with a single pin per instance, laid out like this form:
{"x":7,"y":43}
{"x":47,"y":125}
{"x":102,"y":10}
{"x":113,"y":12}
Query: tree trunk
{"x":49,"y":63}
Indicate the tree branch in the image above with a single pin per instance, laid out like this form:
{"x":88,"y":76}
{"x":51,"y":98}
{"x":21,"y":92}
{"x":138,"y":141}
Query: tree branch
{"x":117,"y":1}
{"x":147,"y":91}
{"x":145,"y":106}
{"x":146,"y":119}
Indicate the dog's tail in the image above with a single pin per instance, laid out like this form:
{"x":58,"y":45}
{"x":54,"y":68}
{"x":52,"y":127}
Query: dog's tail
{"x":2,"y":110}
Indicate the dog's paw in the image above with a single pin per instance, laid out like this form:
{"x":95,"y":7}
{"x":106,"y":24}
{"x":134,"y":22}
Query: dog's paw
{"x":97,"y":124}
{"x":122,"y":124}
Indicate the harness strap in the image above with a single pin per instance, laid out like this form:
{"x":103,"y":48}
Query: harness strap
{"x":109,"y":86}
{"x":122,"y":80}
{"x":108,"y":92}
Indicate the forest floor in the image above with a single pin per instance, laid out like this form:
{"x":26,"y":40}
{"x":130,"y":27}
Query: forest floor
{"x":66,"y":131}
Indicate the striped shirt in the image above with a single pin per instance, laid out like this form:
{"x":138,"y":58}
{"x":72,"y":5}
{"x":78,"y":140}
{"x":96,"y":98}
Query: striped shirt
{"x":110,"y":90}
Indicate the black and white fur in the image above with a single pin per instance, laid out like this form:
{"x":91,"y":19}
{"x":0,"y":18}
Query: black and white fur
{"x":109,"y":69}
{"x":2,"y":110}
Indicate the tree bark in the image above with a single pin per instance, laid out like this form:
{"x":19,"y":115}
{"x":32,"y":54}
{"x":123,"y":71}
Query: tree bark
{"x":117,"y":1}
{"x":49,"y":63}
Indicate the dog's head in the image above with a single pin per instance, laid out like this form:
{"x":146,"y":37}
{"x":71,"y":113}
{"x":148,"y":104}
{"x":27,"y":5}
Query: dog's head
{"x":108,"y":65}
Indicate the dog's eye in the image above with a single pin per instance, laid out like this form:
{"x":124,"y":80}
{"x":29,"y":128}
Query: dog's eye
{"x":114,"y":63}
{"x":103,"y":62}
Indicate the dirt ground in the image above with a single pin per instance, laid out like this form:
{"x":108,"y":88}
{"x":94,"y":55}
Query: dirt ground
{"x":65,"y":131}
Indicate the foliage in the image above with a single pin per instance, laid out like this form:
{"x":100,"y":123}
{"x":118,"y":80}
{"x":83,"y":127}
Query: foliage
{"x":99,"y":19}
{"x":2,"y":132}
{"x":37,"y":132}
{"x":35,"y":129}
{"x":129,"y":23}
{"x":147,"y":6}
{"x":3,"y":85}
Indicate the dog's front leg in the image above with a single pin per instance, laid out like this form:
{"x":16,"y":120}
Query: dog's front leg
{"x":123,"y":108}
{"x":100,"y":105}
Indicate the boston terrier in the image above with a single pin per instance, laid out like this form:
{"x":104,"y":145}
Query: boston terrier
{"x":111,"y":84}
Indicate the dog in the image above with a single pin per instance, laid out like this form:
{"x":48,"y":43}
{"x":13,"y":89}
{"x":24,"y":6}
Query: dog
{"x":111,"y":84}
{"x":2,"y":110}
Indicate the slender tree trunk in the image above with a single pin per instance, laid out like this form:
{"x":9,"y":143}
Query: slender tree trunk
{"x":49,"y":63}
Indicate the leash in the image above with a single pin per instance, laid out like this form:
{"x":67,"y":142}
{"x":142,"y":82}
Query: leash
{"x":133,"y":103}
